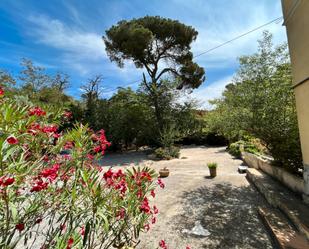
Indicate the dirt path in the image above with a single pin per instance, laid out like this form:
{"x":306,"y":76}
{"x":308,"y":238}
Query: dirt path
{"x":226,"y":206}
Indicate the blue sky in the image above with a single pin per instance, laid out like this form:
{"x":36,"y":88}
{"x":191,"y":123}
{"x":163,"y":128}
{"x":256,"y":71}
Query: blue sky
{"x":65,"y":35}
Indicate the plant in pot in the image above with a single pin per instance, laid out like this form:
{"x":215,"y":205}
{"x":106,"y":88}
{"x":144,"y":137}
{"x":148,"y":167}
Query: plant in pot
{"x":164,"y":172}
{"x":212,"y":169}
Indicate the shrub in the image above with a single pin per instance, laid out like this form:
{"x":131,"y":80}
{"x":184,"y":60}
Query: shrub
{"x":249,"y":144}
{"x":235,"y":149}
{"x":212,"y":165}
{"x":167,"y":153}
{"x":65,"y":201}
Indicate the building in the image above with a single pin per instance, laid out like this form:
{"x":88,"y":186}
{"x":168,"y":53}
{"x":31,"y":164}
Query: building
{"x":296,"y":20}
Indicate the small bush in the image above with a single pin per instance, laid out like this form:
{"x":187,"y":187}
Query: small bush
{"x":249,"y":144}
{"x":167,"y":153}
{"x":212,"y":165}
{"x":235,"y":149}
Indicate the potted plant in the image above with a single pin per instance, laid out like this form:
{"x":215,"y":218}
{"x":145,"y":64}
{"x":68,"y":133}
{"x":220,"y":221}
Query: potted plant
{"x":164,"y":172}
{"x":212,"y":169}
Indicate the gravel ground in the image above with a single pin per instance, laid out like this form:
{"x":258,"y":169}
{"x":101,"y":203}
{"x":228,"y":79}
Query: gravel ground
{"x":226,"y":206}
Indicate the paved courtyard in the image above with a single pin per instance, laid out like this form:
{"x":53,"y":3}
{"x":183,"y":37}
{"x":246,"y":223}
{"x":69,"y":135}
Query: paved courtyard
{"x":225,"y":206}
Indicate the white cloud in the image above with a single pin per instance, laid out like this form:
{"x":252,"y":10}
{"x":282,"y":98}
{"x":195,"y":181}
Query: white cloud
{"x":211,"y":91}
{"x":55,"y":33}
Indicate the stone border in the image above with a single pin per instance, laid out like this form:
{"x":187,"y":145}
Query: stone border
{"x":292,"y":182}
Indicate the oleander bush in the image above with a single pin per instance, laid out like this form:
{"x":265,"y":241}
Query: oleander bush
{"x":49,"y":199}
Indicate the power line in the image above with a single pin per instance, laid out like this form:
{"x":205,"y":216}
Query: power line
{"x":218,"y":46}
{"x":237,"y":37}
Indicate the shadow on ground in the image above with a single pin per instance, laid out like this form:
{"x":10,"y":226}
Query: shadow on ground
{"x":229,"y":213}
{"x":123,"y":159}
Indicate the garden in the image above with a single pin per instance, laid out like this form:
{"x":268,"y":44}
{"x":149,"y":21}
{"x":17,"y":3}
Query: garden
{"x":55,"y":190}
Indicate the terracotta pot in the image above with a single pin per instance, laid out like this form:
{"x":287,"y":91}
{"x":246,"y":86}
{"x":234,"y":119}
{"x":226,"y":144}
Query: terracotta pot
{"x":213,"y":172}
{"x":164,"y":172}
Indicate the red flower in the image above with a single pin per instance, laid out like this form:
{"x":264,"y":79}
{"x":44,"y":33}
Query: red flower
{"x":6,"y":181}
{"x":153,"y":220}
{"x":70,"y":243}
{"x":20,"y":227}
{"x":1,"y":91}
{"x":50,"y":173}
{"x":155,"y":210}
{"x":161,"y":184}
{"x":145,"y":206}
{"x":108,"y":174}
{"x":38,"y":186}
{"x":36,"y":111}
{"x":153,"y":194}
{"x":49,"y":128}
{"x":97,"y":149}
{"x":162,"y":244}
{"x":187,"y":247}
{"x":12,"y":140}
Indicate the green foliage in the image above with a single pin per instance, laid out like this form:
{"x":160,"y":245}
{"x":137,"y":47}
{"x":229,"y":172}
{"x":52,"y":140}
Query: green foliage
{"x":68,"y":199}
{"x":212,"y":165}
{"x":148,"y":42}
{"x":236,"y":148}
{"x":260,"y":102}
{"x":167,"y":153}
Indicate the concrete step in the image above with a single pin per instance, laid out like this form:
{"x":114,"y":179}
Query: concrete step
{"x":285,"y":235}
{"x":280,"y":197}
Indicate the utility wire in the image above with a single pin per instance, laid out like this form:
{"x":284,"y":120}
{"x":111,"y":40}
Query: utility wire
{"x":216,"y":47}
{"x":237,"y":37}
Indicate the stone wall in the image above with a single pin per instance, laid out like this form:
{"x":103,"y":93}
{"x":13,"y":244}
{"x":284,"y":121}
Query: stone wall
{"x":293,"y":182}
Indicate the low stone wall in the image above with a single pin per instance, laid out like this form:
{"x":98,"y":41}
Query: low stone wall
{"x":293,"y":182}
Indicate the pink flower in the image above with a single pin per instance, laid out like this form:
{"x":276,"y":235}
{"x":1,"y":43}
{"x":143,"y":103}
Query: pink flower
{"x":162,"y":244}
{"x":12,"y":140}
{"x":161,"y":184}
{"x":36,"y":111}
{"x":82,"y":231}
{"x":90,"y":157}
{"x":153,"y":220}
{"x":56,"y":135}
{"x":121,"y":213}
{"x":155,"y":210}
{"x":20,"y":227}
{"x":187,"y":247}
{"x":67,"y":114}
{"x":147,"y":227}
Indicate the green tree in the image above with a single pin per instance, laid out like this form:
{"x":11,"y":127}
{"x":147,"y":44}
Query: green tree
{"x":159,"y":45}
{"x":261,"y":102}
